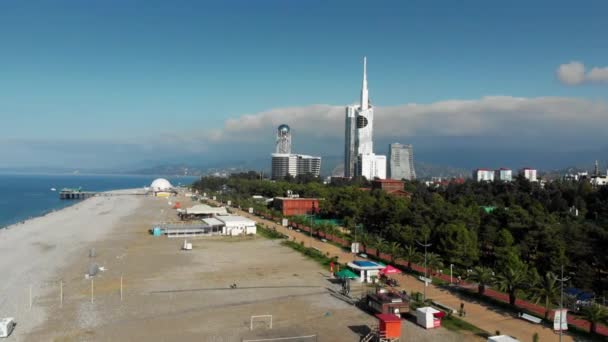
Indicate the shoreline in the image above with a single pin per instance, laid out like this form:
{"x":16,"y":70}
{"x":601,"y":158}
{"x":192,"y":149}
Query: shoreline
{"x":47,"y":212}
{"x":35,"y":251}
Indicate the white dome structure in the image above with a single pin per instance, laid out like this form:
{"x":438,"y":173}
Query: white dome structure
{"x":160,"y":184}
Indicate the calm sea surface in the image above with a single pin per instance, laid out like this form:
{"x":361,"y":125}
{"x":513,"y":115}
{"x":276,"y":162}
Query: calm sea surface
{"x":26,"y":196}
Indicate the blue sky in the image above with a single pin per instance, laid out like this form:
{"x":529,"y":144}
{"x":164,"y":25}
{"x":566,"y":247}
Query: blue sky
{"x":107,"y":71}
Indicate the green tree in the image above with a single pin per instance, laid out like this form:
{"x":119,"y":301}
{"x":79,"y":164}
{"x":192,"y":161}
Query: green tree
{"x":433,"y":262}
{"x":482,"y":276}
{"x":394,"y":249}
{"x":380,"y":245}
{"x":595,"y":314}
{"x":511,"y":280}
{"x":546,"y":290}
{"x":506,"y":253}
{"x":458,"y":245}
{"x":410,"y":254}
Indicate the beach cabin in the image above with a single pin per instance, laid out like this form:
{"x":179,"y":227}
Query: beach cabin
{"x":366,"y":269}
{"x":237,"y":225}
{"x":389,"y":327}
{"x":429,"y":317}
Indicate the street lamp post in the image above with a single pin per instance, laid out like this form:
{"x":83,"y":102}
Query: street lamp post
{"x":425,"y":245}
{"x":312,"y":214}
{"x":562,"y":280}
{"x":451,"y":266}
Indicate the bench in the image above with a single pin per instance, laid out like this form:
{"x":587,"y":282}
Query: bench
{"x":443,"y":306}
{"x":530,"y":318}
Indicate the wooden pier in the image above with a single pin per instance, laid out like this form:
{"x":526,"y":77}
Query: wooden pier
{"x":75,"y":194}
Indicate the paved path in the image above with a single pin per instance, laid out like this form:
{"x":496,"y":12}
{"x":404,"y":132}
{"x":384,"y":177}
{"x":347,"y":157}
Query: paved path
{"x":479,"y":314}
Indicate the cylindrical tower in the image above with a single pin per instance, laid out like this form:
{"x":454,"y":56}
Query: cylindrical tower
{"x":283,"y":144}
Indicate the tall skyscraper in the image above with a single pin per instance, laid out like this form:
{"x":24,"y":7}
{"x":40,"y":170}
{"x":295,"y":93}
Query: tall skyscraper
{"x":283,"y":144}
{"x":359,"y":157}
{"x":401,"y":162}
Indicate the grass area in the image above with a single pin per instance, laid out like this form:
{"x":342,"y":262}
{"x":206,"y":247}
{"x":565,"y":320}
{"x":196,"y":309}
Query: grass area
{"x":271,"y":234}
{"x":309,"y":252}
{"x":456,"y":324}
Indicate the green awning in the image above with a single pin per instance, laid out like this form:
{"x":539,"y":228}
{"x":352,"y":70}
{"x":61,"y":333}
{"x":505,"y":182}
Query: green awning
{"x":346,"y":273}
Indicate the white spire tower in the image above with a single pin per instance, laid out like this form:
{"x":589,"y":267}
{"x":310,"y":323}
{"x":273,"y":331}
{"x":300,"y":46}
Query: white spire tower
{"x":364,"y":93}
{"x":359,"y":157}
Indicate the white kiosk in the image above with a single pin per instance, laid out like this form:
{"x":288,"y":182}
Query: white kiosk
{"x":428,"y":317}
{"x":367,"y":269}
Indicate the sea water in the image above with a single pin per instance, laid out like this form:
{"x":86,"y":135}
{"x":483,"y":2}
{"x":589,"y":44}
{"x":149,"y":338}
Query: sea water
{"x":25,"y":196}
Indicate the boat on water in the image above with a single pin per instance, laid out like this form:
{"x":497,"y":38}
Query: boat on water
{"x":53,"y":189}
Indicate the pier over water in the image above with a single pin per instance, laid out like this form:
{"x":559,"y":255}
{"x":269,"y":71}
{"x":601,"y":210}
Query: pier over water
{"x":79,"y":194}
{"x":76,"y":194}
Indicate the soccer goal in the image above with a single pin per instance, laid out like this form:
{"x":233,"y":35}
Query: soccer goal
{"x":265,"y":320}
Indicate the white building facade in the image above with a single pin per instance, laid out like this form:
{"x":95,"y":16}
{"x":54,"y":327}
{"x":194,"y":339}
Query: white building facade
{"x":401,"y":162}
{"x":483,"y":175}
{"x":371,"y":166}
{"x":529,"y":174}
{"x":502,"y":174}
{"x":237,"y":225}
{"x":293,"y":165}
{"x":359,"y":157}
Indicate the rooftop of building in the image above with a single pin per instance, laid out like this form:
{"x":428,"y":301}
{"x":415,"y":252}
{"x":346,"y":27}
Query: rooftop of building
{"x":388,"y":181}
{"x":305,"y":156}
{"x":233,"y":218}
{"x":298,"y":198}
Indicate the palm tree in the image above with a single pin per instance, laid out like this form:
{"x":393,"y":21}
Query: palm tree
{"x":595,"y":314}
{"x":379,"y":244}
{"x":410,"y":254}
{"x":433,"y":262}
{"x":482,"y":276}
{"x":512,"y":279}
{"x":394,"y":249}
{"x":546,"y":290}
{"x":364,"y":239}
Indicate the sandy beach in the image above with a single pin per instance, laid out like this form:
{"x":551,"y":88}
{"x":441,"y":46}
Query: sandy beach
{"x":167,"y":294}
{"x":33,"y":253}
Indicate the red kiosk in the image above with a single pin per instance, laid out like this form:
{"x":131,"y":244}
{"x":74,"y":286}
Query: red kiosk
{"x":389,"y":327}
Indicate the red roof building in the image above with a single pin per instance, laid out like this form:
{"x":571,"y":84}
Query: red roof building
{"x":387,"y":185}
{"x":296,"y":206}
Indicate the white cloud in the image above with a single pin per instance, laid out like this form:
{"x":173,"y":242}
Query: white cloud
{"x":487,"y":116}
{"x":573,"y":73}
{"x":598,"y":75}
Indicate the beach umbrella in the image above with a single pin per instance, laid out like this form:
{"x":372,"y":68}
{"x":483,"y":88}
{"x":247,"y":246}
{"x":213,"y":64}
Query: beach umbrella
{"x":346,"y":273}
{"x":390,"y":270}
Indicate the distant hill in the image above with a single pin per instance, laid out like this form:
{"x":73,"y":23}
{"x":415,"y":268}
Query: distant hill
{"x":330,"y":166}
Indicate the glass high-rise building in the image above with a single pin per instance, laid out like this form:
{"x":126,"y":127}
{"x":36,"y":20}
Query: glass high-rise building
{"x":401,"y":162}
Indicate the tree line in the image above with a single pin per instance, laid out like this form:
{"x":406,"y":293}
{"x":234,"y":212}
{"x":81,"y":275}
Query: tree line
{"x":516,"y":231}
